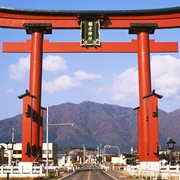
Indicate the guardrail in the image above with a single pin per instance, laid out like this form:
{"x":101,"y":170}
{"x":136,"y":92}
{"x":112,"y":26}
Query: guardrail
{"x":165,"y":172}
{"x":29,"y":171}
{"x":17,"y":171}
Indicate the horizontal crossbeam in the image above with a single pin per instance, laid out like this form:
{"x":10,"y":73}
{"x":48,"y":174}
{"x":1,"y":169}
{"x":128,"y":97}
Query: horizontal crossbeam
{"x":74,"y":47}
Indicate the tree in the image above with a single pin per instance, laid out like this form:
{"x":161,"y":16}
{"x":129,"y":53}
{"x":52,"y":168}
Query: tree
{"x":164,"y":156}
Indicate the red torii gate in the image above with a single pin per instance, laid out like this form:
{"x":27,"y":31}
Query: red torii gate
{"x":141,"y":22}
{"x":53,"y":47}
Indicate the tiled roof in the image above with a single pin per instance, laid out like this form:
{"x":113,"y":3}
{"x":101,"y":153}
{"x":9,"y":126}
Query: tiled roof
{"x":91,"y":12}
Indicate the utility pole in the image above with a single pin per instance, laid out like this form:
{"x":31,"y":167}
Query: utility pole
{"x":84,"y":153}
{"x":47,"y":135}
{"x":13,"y":135}
{"x":100,"y":154}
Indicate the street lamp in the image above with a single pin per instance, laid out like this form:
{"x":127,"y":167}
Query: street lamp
{"x":170,"y":146}
{"x":10,"y":145}
{"x":47,"y":135}
{"x":109,"y":146}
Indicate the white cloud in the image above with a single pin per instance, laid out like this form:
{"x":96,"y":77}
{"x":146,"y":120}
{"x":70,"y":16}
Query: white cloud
{"x":51,"y":63}
{"x":60,"y":83}
{"x":83,"y":76}
{"x":54,"y":63}
{"x":165,"y":75}
{"x":68,"y":82}
{"x":165,"y":80}
{"x":125,"y":86}
{"x":10,"y":91}
{"x":19,"y":70}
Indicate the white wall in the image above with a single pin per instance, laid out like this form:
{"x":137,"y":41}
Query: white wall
{"x":118,"y":160}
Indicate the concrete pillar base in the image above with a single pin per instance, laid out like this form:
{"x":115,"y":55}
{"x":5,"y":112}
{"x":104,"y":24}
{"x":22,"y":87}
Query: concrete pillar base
{"x":26,"y":167}
{"x":152,"y":165}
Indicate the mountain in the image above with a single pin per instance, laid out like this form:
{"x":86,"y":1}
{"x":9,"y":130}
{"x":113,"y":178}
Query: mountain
{"x":95,"y":123}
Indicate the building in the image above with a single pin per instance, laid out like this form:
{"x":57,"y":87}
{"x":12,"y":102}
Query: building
{"x":17,"y":150}
{"x":64,"y":160}
{"x":52,"y":151}
{"x":165,"y":150}
{"x":118,"y":160}
{"x":164,"y":153}
{"x":1,"y":154}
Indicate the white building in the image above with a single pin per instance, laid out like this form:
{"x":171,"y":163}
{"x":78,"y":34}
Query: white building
{"x":52,"y":151}
{"x":119,"y":160}
{"x":17,"y":153}
{"x":64,"y":160}
{"x":1,"y":154}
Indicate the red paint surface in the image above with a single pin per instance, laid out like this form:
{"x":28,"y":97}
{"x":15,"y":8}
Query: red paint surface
{"x":147,"y":123}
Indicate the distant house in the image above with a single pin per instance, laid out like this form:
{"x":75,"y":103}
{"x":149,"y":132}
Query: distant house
{"x":134,"y":150}
{"x":119,"y":160}
{"x":163,"y":149}
{"x":2,"y":150}
{"x":163,"y":152}
{"x":17,"y":153}
{"x":64,"y":160}
{"x":1,"y":154}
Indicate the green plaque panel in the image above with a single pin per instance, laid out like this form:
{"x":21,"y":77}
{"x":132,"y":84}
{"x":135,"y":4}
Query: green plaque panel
{"x":90,"y":32}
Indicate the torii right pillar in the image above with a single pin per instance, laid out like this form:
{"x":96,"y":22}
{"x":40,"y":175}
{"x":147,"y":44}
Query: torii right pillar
{"x":147,"y":130}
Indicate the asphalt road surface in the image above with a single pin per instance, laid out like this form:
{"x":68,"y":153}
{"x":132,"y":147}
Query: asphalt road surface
{"x":88,"y":172}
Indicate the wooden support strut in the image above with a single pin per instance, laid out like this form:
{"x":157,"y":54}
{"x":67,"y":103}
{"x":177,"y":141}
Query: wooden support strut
{"x":152,"y":123}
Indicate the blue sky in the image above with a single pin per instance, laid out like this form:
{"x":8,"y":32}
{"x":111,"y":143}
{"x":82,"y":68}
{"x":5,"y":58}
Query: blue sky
{"x":104,"y":78}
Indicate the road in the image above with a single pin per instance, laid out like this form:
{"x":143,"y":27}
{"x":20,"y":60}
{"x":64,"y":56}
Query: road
{"x":88,"y":172}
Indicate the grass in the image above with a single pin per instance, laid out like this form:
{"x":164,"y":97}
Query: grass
{"x":50,"y":177}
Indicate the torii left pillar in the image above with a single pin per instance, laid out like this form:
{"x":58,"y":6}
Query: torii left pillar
{"x":37,"y":30}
